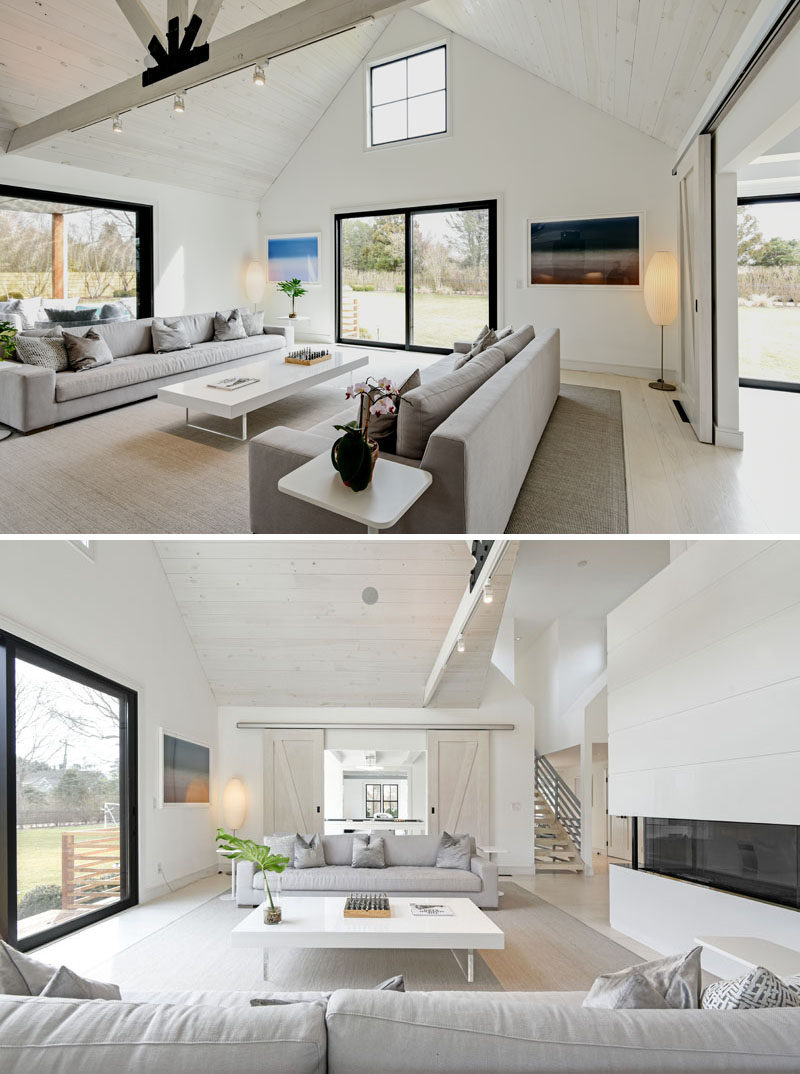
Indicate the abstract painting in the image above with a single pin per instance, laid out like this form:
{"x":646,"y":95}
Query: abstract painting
{"x":602,"y":251}
{"x":185,"y":771}
{"x":292,"y":257}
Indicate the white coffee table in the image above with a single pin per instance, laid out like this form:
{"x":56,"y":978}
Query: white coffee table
{"x":320,"y":923}
{"x":276,"y":380}
{"x":393,"y":489}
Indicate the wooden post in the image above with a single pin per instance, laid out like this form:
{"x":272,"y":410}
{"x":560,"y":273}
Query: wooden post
{"x":67,"y":869}
{"x":59,"y":256}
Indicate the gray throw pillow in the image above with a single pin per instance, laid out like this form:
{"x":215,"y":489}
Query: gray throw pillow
{"x":71,"y":316}
{"x":666,"y":982}
{"x":383,"y":429}
{"x":48,"y":351}
{"x":115,"y":311}
{"x":391,"y":984}
{"x":229,"y":326}
{"x":87,"y":351}
{"x":455,"y":852}
{"x":68,"y":985}
{"x":282,"y":844}
{"x":308,"y":853}
{"x":368,"y":851}
{"x":11,"y":308}
{"x":487,"y":339}
{"x":169,"y":336}
{"x":756,"y":990}
{"x":21,"y":975}
{"x":253,"y":323}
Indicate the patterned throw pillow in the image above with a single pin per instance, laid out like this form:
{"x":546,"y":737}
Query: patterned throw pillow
{"x":755,"y":990}
{"x":283,"y":845}
{"x":486,"y":339}
{"x":229,"y":326}
{"x":48,"y":351}
{"x":169,"y":336}
{"x":368,"y":851}
{"x":308,"y":853}
{"x":454,"y":852}
{"x":253,"y":323}
{"x":87,"y":351}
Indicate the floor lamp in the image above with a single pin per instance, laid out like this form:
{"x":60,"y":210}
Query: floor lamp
{"x":661,"y":299}
{"x":255,"y":282}
{"x":234,"y":811}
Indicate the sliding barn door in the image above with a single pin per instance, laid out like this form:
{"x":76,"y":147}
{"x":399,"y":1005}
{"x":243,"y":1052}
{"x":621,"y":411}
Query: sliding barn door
{"x":293,"y":781}
{"x":458,"y":783}
{"x":695,"y":242}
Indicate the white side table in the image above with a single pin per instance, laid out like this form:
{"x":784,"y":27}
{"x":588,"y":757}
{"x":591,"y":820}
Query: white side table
{"x":232,"y":896}
{"x":394,"y":488}
{"x":492,"y":851}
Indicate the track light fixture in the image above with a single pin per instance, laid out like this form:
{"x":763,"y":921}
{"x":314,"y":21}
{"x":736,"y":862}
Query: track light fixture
{"x":117,"y":124}
{"x":259,"y":74}
{"x":461,"y":644}
{"x":179,"y":104}
{"x":488,"y":592}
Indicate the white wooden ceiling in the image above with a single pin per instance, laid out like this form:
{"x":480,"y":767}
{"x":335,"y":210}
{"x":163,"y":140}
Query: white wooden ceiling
{"x":650,"y":63}
{"x":233,"y":139}
{"x":283,"y":623}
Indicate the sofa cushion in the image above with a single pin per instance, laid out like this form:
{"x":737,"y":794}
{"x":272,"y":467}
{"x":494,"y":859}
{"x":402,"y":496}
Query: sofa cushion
{"x":368,"y":851}
{"x":87,"y":351}
{"x":66,"y":984}
{"x":229,"y":326}
{"x":21,"y":975}
{"x":383,"y":427}
{"x":454,"y":852}
{"x":124,"y":337}
{"x":425,"y":408}
{"x":199,"y":327}
{"x":396,"y":878}
{"x":138,"y":368}
{"x":309,"y":853}
{"x":253,"y":322}
{"x":46,"y":351}
{"x":512,"y":344}
{"x":61,"y":316}
{"x":410,"y":849}
{"x":673,"y":981}
{"x":282,"y":843}
{"x":486,"y":340}
{"x":51,"y":1036}
{"x":115,"y":311}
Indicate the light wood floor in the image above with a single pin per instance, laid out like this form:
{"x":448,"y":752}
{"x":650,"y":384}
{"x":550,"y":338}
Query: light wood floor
{"x":678,"y":485}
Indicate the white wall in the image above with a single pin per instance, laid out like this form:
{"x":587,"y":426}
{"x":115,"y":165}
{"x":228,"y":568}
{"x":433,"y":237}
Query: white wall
{"x":542,"y":151}
{"x":202,"y":242}
{"x":355,"y":791}
{"x":704,"y":690}
{"x":511,"y":754}
{"x":116,"y":615}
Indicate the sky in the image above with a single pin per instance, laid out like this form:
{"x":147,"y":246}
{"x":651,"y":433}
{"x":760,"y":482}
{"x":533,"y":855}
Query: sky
{"x":776,"y":219}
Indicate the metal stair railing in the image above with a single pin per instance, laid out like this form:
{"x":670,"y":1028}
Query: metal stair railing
{"x":561,"y":799}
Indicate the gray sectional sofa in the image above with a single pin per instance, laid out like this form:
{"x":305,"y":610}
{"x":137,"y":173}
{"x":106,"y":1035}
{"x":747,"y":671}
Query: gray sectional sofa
{"x":478,"y":453}
{"x":410,"y":870}
{"x":361,"y":1032}
{"x":34,"y":398}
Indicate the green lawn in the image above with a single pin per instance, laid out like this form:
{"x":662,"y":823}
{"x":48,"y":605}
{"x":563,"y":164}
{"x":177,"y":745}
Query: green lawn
{"x":769,"y":343}
{"x":439,"y":320}
{"x":39,"y":855}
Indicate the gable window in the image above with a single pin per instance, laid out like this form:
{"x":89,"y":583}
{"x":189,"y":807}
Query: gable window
{"x":408,"y":97}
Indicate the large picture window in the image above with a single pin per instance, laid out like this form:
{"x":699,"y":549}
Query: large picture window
{"x":418,"y":278}
{"x":68,"y":780}
{"x":76,"y":259}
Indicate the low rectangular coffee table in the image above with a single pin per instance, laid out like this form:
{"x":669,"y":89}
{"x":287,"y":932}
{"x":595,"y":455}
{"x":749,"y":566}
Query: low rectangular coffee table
{"x":276,"y":379}
{"x":320,"y":923}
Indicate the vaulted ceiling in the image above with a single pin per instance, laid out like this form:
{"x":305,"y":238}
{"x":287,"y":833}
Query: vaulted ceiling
{"x":650,"y":63}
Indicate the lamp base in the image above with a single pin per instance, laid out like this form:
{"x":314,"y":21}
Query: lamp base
{"x":662,"y":386}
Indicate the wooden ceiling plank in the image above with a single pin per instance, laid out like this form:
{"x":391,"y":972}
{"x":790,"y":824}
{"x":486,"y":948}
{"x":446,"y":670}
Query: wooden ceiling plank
{"x":142,"y":22}
{"x":208,"y":10}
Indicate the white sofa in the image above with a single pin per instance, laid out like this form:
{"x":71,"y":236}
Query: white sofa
{"x":410,"y":870}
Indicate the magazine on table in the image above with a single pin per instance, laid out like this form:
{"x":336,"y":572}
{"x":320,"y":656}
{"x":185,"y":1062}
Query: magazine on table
{"x":430,"y":909}
{"x":229,"y":384}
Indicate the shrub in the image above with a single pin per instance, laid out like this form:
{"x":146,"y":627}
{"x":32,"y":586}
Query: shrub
{"x":123,"y":294}
{"x":15,"y":294}
{"x":37,"y":900}
{"x":362,"y":287}
{"x":401,"y":288}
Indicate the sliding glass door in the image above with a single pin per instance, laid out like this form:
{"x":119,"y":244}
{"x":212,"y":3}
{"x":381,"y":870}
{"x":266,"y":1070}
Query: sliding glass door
{"x":419,"y":278}
{"x":69,"y":774}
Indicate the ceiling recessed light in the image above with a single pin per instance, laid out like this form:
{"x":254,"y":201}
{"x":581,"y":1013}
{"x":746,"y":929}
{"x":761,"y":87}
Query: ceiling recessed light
{"x":370,"y":595}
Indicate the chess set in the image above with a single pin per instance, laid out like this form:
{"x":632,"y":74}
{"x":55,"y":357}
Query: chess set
{"x":370,"y":904}
{"x":307,"y":356}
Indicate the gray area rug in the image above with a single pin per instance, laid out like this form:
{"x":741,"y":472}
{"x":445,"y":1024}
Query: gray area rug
{"x":546,"y":950}
{"x":139,"y":469}
{"x":576,"y":483}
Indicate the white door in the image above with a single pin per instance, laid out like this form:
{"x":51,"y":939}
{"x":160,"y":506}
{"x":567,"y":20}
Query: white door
{"x":293,"y":781}
{"x":695,"y":244}
{"x":458,"y":783}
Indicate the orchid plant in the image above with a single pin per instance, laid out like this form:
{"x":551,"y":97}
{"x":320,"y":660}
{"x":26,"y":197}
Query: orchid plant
{"x":377,"y":397}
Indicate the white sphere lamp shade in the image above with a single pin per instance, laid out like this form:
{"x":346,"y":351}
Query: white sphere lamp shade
{"x":255,"y":281}
{"x":234,"y":805}
{"x":661,"y":288}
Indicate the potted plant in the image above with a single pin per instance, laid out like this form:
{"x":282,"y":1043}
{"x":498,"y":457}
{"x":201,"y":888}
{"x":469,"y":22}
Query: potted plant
{"x":294,"y":289}
{"x":354,"y":454}
{"x":236,"y":849}
{"x":8,"y":336}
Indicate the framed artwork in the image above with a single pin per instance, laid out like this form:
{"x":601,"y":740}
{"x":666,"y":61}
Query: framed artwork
{"x":184,"y":771}
{"x":293,"y":257}
{"x":589,"y":251}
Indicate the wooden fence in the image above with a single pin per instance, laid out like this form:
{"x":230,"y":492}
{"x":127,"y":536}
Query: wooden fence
{"x":90,"y":868}
{"x":32,"y":284}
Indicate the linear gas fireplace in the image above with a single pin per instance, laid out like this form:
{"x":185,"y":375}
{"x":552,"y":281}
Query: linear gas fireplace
{"x":761,"y":861}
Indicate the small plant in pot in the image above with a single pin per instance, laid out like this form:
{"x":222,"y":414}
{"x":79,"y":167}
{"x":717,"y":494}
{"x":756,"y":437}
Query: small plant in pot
{"x":354,"y":454}
{"x":8,"y":340}
{"x":236,"y":849}
{"x":294,"y":289}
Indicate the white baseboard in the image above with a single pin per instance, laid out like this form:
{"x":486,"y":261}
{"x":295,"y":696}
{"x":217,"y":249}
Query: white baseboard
{"x":642,"y":372}
{"x":730,"y":438}
{"x":157,"y":890}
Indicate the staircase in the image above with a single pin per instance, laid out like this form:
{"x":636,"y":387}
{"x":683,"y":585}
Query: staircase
{"x":557,"y":823}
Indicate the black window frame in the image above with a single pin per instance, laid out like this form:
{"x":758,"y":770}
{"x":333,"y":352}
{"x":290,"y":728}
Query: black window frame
{"x":145,"y":234}
{"x":370,"y":800}
{"x":441,"y":47}
{"x":409,"y":212}
{"x":755,"y":382}
{"x":12,"y":647}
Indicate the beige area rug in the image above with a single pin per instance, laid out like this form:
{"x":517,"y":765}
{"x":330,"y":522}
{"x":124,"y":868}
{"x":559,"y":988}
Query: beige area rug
{"x":546,"y":950}
{"x":139,"y":469}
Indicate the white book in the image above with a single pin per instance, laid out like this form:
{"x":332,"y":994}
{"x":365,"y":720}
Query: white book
{"x":430,"y":909}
